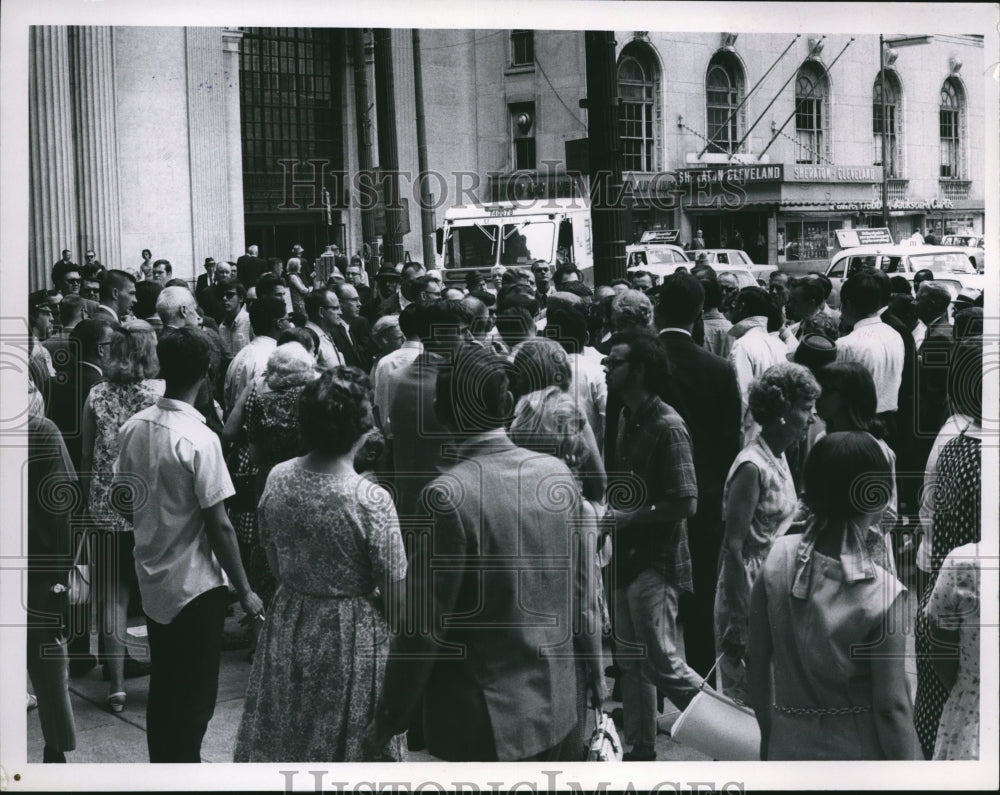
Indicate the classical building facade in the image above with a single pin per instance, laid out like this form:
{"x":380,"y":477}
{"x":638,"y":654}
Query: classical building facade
{"x":198,"y":141}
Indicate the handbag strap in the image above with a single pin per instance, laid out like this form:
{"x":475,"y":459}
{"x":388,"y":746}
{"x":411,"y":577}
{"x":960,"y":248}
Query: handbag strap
{"x":79,"y":549}
{"x":708,"y":676}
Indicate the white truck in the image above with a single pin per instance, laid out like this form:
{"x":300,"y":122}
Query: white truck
{"x":515,"y":234}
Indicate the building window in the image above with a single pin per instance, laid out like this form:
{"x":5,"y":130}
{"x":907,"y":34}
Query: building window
{"x":724,"y":87}
{"x":290,"y":109}
{"x":522,"y":47}
{"x":811,"y":114}
{"x":951,"y":109}
{"x":889,"y":126}
{"x":522,"y":122}
{"x":636,"y":124}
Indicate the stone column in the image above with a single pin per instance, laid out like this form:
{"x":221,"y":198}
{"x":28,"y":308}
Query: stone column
{"x":231,"y":38}
{"x":208,"y":146}
{"x":52,"y":212}
{"x":96,"y":137}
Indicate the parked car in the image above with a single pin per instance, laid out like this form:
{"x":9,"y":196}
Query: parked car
{"x":971,"y":244}
{"x":733,"y":256}
{"x":661,"y":270}
{"x":950,"y":266}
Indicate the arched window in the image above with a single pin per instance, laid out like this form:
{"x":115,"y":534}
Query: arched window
{"x":637,"y":121}
{"x":952,"y":108}
{"x":889,"y":126}
{"x":812,"y":113}
{"x":724,"y":91}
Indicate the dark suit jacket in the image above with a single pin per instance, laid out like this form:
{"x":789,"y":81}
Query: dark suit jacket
{"x":420,"y":441}
{"x":932,"y":382}
{"x":496,"y":660}
{"x":703,"y":390}
{"x":356,"y":348}
{"x":390,"y":306}
{"x":249,"y":269}
{"x":201,"y":283}
{"x":210,"y":303}
{"x":67,"y":395}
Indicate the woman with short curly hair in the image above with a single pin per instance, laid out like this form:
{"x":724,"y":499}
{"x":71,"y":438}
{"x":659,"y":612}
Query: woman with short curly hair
{"x":332,"y":539}
{"x":631,"y":310}
{"x":759,"y":502}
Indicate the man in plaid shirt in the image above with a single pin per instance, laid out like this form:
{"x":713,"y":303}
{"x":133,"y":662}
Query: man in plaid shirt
{"x":652,"y":565}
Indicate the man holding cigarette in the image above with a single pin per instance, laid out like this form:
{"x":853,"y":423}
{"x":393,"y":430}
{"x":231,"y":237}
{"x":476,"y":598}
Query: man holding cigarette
{"x":171,"y":482}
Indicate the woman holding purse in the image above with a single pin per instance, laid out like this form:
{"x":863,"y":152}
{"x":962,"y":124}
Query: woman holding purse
{"x":825,"y":667}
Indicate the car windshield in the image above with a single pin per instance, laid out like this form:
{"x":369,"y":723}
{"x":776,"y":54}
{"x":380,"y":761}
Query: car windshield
{"x":950,"y":262}
{"x":961,"y":240}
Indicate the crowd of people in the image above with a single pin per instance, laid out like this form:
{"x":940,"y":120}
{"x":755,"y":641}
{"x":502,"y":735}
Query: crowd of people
{"x":453,"y":515}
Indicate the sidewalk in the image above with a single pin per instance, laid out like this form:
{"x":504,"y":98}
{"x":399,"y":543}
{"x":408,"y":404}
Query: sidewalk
{"x":105,"y":737}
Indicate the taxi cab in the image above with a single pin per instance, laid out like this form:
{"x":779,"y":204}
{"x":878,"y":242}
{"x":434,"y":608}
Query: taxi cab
{"x":950,"y":266}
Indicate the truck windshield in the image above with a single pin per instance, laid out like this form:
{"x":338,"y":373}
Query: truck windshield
{"x":472,"y":246}
{"x":527,"y":241}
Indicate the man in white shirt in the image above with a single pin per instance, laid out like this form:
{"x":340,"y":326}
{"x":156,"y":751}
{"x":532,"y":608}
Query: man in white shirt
{"x":755,"y":349}
{"x":183,"y":544}
{"x":268,"y":320}
{"x":390,"y":367}
{"x":872,"y":343}
{"x":117,"y":295}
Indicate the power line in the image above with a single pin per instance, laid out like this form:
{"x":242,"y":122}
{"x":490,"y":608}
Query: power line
{"x":561,"y":102}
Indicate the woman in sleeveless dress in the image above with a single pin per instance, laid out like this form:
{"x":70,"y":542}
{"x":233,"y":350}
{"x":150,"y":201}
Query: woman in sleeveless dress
{"x":759,"y":502}
{"x":130,"y":387}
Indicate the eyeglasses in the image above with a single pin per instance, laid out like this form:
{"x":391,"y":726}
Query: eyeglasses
{"x":73,"y":281}
{"x":328,"y":306}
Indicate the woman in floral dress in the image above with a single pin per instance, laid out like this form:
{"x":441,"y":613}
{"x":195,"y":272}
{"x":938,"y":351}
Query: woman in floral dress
{"x":130,"y":387}
{"x":333,"y":541}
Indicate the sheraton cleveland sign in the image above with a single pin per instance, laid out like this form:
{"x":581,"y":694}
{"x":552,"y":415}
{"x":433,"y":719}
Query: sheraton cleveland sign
{"x":778,"y":172}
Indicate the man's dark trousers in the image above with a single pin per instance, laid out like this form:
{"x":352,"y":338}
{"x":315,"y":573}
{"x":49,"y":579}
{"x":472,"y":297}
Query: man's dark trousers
{"x":697,"y":612}
{"x":184,"y":682}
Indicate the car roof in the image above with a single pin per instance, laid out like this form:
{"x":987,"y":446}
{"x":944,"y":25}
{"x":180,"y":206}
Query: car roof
{"x":896,"y":250}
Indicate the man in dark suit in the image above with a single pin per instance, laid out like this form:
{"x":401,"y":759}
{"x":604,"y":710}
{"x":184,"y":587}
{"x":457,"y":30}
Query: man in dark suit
{"x":499,"y":660}
{"x":353,"y":336}
{"x":88,"y":348}
{"x":909,"y":469}
{"x":933,"y":358}
{"x":249,"y":267}
{"x":703,"y":390}
{"x":205,"y":279}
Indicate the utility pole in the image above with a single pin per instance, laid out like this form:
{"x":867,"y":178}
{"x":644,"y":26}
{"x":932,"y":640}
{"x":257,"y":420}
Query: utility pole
{"x":426,"y":210}
{"x":364,"y":125}
{"x":605,"y":157}
{"x":385,"y":108}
